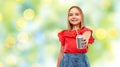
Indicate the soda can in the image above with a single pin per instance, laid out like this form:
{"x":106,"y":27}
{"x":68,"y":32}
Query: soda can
{"x":79,"y":39}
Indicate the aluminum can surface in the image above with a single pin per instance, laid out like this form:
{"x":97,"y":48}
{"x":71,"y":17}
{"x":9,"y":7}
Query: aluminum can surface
{"x":79,"y":39}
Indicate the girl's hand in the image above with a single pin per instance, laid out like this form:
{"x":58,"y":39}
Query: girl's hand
{"x":84,"y":43}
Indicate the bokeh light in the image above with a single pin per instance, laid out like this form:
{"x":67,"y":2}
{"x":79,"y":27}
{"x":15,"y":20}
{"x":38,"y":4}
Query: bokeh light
{"x":1,"y":17}
{"x":1,"y":65}
{"x":11,"y":60}
{"x":29,"y":14}
{"x":112,"y":33}
{"x":10,"y":41}
{"x":101,"y":34}
{"x":21,"y":23}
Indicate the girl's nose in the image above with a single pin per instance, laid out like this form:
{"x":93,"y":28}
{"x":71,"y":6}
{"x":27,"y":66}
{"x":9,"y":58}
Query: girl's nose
{"x":73,"y":16}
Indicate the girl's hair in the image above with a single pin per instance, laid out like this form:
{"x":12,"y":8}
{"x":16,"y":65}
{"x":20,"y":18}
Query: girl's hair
{"x":70,"y":26}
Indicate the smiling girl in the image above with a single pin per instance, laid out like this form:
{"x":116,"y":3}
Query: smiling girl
{"x":70,"y":55}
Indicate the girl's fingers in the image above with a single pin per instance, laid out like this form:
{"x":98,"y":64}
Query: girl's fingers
{"x":84,"y":40}
{"x":84,"y":43}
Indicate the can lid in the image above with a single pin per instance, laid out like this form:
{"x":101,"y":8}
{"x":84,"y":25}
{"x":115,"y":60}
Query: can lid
{"x":79,"y":36}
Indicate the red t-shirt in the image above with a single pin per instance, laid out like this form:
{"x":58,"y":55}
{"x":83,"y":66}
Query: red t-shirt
{"x":68,"y":40}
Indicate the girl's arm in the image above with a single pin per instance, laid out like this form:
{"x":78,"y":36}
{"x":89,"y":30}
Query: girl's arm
{"x":86,"y":37}
{"x":60,"y":56}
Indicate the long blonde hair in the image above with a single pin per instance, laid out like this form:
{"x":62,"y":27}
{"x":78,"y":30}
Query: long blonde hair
{"x":70,"y":26}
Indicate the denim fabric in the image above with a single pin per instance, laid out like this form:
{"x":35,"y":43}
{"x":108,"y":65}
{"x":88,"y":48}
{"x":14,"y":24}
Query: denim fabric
{"x":74,"y":60}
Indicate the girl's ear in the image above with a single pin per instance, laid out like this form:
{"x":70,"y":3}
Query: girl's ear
{"x":86,"y":35}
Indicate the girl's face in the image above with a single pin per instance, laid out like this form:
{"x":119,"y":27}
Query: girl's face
{"x":74,"y":16}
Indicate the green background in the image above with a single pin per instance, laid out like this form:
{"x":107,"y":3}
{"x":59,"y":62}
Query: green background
{"x":29,"y":28}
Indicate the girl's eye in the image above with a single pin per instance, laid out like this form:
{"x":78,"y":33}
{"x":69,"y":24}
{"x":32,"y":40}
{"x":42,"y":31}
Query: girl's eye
{"x":77,"y":14}
{"x":70,"y":14}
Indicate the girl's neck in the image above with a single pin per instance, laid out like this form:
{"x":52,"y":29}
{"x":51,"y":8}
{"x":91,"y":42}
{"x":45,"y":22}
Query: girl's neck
{"x":76,"y":27}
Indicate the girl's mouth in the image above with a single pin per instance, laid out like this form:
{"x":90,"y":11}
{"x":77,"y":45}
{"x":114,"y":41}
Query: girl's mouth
{"x":74,"y":20}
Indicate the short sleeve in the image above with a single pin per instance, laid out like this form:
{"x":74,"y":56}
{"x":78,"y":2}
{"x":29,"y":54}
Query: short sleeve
{"x":61,"y":38}
{"x":91,"y":39}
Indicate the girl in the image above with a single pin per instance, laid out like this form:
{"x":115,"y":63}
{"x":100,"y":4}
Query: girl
{"x":70,"y":55}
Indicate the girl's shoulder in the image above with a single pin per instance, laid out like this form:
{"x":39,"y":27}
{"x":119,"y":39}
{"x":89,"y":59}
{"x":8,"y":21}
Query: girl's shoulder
{"x":63,"y":31}
{"x":88,"y":29}
{"x":66,"y":33}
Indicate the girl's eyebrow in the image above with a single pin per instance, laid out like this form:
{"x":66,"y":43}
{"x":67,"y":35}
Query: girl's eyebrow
{"x":75,"y":13}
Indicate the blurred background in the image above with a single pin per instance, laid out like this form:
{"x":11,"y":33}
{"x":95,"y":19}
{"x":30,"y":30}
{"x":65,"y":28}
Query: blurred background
{"x":29,"y":28}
